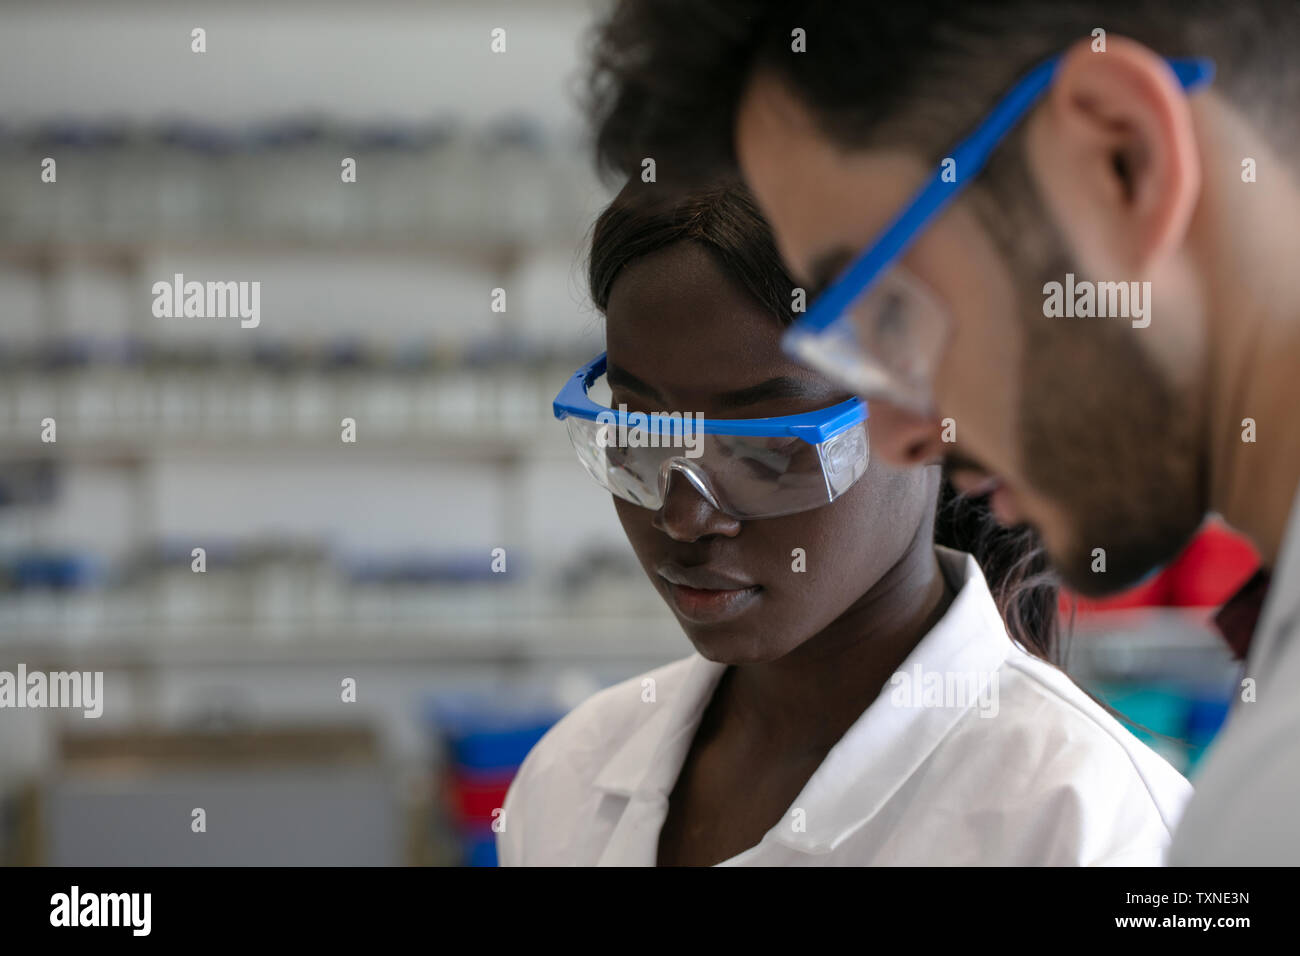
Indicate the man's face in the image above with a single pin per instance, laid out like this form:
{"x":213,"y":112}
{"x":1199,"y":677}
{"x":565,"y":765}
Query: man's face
{"x":1068,"y":422}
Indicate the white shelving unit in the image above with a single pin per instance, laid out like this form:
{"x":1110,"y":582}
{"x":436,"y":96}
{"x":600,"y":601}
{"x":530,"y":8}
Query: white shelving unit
{"x":447,"y":390}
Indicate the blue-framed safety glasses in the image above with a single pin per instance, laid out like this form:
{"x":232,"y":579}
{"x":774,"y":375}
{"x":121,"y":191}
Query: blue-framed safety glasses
{"x":744,"y":467}
{"x":876,"y":329}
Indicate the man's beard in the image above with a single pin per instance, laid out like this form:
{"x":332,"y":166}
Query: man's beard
{"x":1111,"y":443}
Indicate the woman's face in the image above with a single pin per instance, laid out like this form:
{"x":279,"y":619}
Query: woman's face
{"x":681,"y":336}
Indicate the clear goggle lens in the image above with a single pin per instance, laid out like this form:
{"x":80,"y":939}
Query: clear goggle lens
{"x":743,"y":476}
{"x":886,"y":345}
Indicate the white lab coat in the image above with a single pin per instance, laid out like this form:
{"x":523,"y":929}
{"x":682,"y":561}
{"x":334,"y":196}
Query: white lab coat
{"x":1050,"y":779}
{"x":1248,"y":789}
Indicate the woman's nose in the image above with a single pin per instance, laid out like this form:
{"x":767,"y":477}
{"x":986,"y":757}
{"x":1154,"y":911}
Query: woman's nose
{"x":687,"y":515}
{"x":903,"y":437}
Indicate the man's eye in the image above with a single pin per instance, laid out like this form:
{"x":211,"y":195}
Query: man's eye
{"x":890,"y":320}
{"x":891,"y":331}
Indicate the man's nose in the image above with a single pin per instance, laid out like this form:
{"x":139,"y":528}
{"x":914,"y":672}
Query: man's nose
{"x":687,"y":515}
{"x":903,"y":437}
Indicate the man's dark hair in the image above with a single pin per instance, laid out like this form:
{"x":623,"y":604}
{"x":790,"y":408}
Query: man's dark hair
{"x":667,"y":75}
{"x":722,"y":218}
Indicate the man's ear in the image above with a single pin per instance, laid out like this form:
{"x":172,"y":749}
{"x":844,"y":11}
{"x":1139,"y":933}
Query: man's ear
{"x":1114,"y":151}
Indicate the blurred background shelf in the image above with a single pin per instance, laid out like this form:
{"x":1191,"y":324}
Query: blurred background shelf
{"x":325,"y":559}
{"x":633,"y":641}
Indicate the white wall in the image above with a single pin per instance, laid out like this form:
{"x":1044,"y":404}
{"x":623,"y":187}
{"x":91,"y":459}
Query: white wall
{"x":351,"y":61}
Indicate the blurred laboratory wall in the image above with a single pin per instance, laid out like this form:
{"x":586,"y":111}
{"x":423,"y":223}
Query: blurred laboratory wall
{"x":327,"y":562}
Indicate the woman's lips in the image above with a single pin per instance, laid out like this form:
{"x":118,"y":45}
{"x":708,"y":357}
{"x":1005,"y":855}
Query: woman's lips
{"x":703,"y":595}
{"x":707,"y":605}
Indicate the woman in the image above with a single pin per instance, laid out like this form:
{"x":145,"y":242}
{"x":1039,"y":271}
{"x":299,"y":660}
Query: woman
{"x":854,"y":696}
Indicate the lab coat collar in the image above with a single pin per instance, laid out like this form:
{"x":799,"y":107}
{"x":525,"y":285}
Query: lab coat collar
{"x":649,"y":759}
{"x":645,"y":766}
{"x":886,"y":745}
{"x":878,"y":753}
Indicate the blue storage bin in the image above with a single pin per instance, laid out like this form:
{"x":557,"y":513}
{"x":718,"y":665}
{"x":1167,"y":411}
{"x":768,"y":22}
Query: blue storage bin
{"x":1205,"y":718}
{"x":480,"y":849}
{"x":490,"y":737}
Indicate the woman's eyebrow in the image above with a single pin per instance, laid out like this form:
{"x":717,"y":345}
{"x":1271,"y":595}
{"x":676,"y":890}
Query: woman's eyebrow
{"x":780,"y":387}
{"x":621,"y":378}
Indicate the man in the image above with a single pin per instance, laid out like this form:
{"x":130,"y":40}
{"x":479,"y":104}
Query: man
{"x":1100,"y":327}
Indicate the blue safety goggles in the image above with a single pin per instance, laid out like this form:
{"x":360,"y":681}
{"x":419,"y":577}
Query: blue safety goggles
{"x":744,"y":467}
{"x":876,"y":329}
